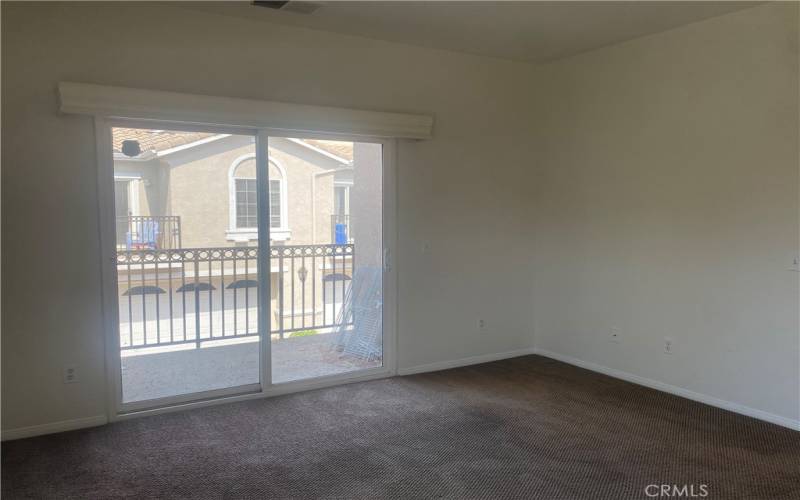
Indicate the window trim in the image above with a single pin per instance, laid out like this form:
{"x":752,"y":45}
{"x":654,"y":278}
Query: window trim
{"x":234,"y":233}
{"x":281,"y":119}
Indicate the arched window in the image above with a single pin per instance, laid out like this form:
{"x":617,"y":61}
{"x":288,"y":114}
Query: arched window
{"x":243,"y":198}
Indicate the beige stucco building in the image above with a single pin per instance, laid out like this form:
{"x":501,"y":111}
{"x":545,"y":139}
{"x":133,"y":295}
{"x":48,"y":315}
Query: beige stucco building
{"x":209,"y":182}
{"x":197,"y":191}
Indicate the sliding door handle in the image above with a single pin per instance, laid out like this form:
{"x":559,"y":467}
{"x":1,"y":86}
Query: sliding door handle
{"x":387,"y":260}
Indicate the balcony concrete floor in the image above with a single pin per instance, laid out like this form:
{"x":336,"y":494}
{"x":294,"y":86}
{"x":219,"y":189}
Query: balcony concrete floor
{"x":163,"y":374}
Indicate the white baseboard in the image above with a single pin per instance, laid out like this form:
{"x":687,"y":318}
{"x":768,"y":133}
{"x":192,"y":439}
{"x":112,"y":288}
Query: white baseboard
{"x":64,"y":425}
{"x":455,"y":363}
{"x":80,"y":423}
{"x":678,"y":391}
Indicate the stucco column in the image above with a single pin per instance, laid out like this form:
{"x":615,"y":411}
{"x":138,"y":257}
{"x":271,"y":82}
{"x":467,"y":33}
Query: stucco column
{"x":366,"y":204}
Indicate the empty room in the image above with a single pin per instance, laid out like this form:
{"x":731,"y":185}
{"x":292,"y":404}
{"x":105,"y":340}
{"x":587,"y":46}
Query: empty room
{"x":366,"y":250}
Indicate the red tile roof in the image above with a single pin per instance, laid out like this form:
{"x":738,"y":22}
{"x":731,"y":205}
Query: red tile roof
{"x":156,"y":141}
{"x":341,"y":149}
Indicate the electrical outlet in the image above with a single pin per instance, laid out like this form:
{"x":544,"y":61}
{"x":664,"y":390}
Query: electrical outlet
{"x":482,"y":325}
{"x":70,"y":374}
{"x":667,"y":345}
{"x":615,"y":335}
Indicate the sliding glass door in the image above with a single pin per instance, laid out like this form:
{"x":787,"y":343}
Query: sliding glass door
{"x":187,"y":248}
{"x":242,"y":262}
{"x":327,"y":277}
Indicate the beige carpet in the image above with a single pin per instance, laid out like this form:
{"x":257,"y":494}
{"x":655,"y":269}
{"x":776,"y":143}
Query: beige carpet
{"x":522,"y":428}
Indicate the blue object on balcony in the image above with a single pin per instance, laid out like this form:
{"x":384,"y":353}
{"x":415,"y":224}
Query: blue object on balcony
{"x":145,"y":237}
{"x":341,"y":234}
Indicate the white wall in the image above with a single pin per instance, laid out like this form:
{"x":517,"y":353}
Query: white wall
{"x":449,"y":193}
{"x":668,"y":207}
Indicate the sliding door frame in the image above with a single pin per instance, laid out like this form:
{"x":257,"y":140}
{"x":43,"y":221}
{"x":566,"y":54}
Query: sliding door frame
{"x":115,"y":408}
{"x":388,"y":241}
{"x":107,"y":228}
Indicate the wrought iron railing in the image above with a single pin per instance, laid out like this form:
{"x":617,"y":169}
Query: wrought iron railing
{"x":341,"y":229}
{"x":195,"y":295}
{"x":148,"y":232}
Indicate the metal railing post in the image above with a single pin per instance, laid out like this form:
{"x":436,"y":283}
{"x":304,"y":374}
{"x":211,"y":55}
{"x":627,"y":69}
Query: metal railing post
{"x":196,"y":301}
{"x":280,"y":294}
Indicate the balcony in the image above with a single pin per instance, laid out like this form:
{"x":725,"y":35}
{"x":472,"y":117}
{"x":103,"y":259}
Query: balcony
{"x":181,"y":308}
{"x":148,"y":232}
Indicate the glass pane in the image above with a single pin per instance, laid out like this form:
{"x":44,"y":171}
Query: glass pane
{"x":275,"y":203}
{"x":188,"y":281}
{"x":246,"y":203}
{"x":326,"y":275}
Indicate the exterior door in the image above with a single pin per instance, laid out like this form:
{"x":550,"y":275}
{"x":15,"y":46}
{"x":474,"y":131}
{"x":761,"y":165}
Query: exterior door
{"x":327,"y":275}
{"x":121,"y":208}
{"x":246,"y":265}
{"x":187,"y":266}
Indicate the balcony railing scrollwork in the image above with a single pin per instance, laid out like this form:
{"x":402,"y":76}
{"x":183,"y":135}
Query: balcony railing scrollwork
{"x":195,"y":295}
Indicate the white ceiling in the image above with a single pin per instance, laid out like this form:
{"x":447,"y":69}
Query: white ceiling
{"x":523,"y":31}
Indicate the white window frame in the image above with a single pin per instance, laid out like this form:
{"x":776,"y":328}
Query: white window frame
{"x":243,"y":234}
